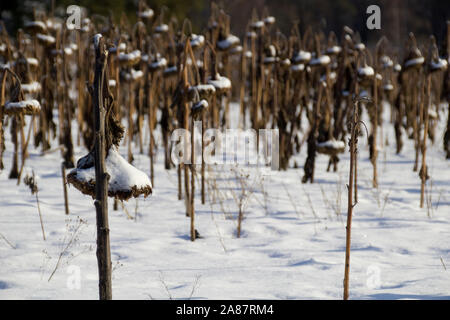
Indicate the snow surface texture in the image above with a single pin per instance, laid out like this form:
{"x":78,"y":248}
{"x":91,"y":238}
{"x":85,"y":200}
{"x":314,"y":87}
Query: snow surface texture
{"x":31,"y":87}
{"x":220,"y":83}
{"x":37,"y":24}
{"x":387,"y":62}
{"x":236,"y":50}
{"x":414,"y":62}
{"x":33,"y":61}
{"x":302,"y":56}
{"x":201,"y":105}
{"x":134,"y":55}
{"x":133,"y":75}
{"x":360,"y":46}
{"x":203,"y":88}
{"x":269,"y":20}
{"x":441,"y":64}
{"x":161,"y":63}
{"x":334,"y":49}
{"x":322,"y":60}
{"x":197,"y":40}
{"x":228,"y":42}
{"x":147,"y":14}
{"x":46,"y":38}
{"x":298,"y":67}
{"x":334,"y":144}
{"x":31,"y":106}
{"x":293,"y":236}
{"x":162,"y":28}
{"x":258,"y":24}
{"x":123,"y":176}
{"x":366,"y":71}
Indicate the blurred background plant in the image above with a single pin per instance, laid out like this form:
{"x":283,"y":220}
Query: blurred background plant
{"x":398,"y":17}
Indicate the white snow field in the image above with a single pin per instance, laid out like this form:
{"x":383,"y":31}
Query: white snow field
{"x":292,"y":243}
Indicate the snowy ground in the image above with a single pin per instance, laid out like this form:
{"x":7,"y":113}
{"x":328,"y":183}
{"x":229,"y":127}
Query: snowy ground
{"x":292,"y":244}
